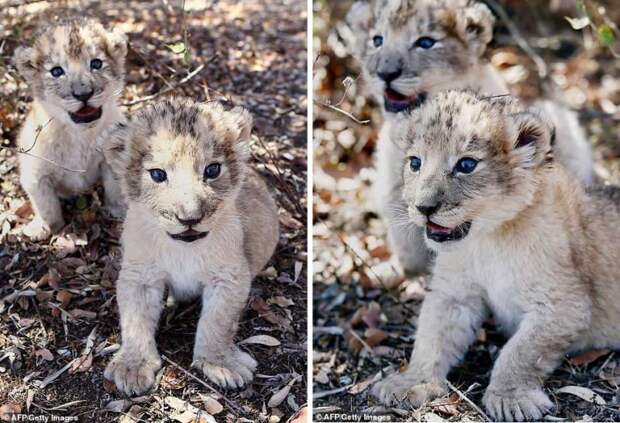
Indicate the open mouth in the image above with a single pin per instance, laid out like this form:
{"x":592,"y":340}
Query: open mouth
{"x":396,"y":102}
{"x":86,"y":114}
{"x":440,"y":233}
{"x":189,"y":235}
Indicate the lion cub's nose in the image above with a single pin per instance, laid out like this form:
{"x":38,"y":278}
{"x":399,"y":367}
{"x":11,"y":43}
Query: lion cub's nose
{"x":428,"y":210}
{"x":391,"y":75}
{"x":189,"y":221}
{"x":83,"y":95}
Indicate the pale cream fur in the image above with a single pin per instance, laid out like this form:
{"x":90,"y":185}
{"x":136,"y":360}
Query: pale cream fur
{"x":454,"y":62}
{"x":541,"y":255}
{"x":61,"y":158}
{"x":236,"y":209}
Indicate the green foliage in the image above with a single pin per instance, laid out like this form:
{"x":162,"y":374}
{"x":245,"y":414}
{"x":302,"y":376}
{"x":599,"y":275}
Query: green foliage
{"x":606,"y":35}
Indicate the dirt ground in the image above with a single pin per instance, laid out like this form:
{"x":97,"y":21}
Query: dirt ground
{"x":58,"y":316}
{"x":364,"y":312}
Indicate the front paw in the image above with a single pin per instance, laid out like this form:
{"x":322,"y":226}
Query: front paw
{"x":516,"y":404}
{"x":132,"y":374}
{"x":37,"y":230}
{"x":233,"y":370}
{"x":398,"y":388}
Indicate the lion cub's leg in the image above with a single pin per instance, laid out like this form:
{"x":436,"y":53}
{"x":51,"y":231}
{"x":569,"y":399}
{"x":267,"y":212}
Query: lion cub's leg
{"x":534,"y":351}
{"x":114,"y":201}
{"x":446,"y":327}
{"x":215,"y":353}
{"x":47,"y":210}
{"x":135,"y":365}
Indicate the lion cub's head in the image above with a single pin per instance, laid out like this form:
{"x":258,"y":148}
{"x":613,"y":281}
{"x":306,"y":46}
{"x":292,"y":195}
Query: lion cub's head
{"x":182,"y":161}
{"x":75,"y":69}
{"x":470,"y":163}
{"x":412,"y":48}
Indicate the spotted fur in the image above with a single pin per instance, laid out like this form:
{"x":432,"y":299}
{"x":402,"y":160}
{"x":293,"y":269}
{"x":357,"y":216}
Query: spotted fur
{"x":63,"y":160}
{"x":538,"y":251}
{"x":234,"y":215}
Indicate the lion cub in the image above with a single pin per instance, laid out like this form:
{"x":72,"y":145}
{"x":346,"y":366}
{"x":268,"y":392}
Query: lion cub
{"x":199,"y":222}
{"x":75,"y":70}
{"x":410,"y":51}
{"x":516,"y":236}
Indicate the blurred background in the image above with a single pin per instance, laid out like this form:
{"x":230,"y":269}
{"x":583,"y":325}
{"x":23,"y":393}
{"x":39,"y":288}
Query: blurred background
{"x":364,"y":312}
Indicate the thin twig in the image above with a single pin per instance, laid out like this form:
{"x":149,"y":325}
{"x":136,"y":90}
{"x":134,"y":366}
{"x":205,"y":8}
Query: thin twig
{"x":38,"y":131}
{"x":171,"y":88}
{"x":20,"y":151}
{"x":468,"y":401}
{"x":522,"y":42}
{"x":287,"y":191}
{"x":319,"y":395}
{"x":344,"y":112}
{"x":228,"y":401}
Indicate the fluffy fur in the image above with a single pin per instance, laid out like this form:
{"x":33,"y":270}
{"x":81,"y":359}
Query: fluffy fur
{"x":536,"y":250}
{"x":204,"y":236}
{"x":462,"y":30}
{"x":51,"y":133}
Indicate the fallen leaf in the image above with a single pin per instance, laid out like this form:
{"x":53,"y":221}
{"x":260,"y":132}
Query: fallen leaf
{"x":301,"y":416}
{"x":9,"y":409}
{"x":270,"y":341}
{"x":277,"y":398}
{"x":212,"y":405}
{"x":361,"y":386}
{"x":118,"y":406}
{"x":375,"y":336}
{"x":45,"y":354}
{"x":588,"y":357}
{"x":583,"y":393}
{"x":82,"y":364}
{"x":281,"y":301}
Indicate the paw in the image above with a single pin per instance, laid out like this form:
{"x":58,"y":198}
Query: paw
{"x":516,"y":404}
{"x":398,"y":389}
{"x":132,"y":375}
{"x":231,"y":370}
{"x":37,"y":230}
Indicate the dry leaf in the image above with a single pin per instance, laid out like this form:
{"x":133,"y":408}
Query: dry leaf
{"x":212,"y":405}
{"x":281,"y":301}
{"x":277,"y":398}
{"x":82,"y":364}
{"x":9,"y":409}
{"x":270,"y":341}
{"x":588,"y":357}
{"x":583,"y":393}
{"x":375,"y":336}
{"x":45,"y":354}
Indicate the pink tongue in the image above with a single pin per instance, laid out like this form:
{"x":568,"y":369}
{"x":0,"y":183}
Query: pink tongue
{"x":437,"y":228}
{"x":86,"y":111}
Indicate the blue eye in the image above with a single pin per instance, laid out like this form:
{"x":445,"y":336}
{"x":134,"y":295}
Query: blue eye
{"x":96,"y":64}
{"x":466,"y":165}
{"x":425,"y":42}
{"x":415,"y":163}
{"x":212,"y":171}
{"x":377,"y":40}
{"x":57,"y":71}
{"x":158,"y":175}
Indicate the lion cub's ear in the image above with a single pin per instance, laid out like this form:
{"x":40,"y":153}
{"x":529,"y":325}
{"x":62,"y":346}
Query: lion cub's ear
{"x":117,"y":44}
{"x":115,"y":143}
{"x":474,"y":25}
{"x":531,"y":139}
{"x":360,"y":19}
{"x":241,"y":120}
{"x":23,"y":58}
